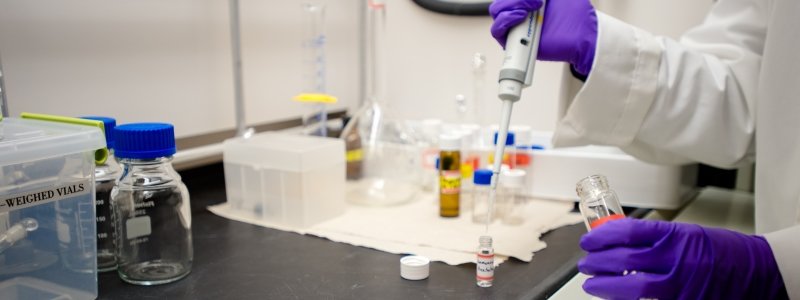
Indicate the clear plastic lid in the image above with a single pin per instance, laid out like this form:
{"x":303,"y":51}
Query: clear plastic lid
{"x":29,"y":140}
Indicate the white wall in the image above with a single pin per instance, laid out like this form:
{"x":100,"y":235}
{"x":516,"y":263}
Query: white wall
{"x":431,"y":62}
{"x":155,"y":60}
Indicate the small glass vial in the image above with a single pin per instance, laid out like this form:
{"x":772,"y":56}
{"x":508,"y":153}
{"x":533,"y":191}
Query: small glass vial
{"x":510,"y":156}
{"x":485,"y":262}
{"x":511,"y":206}
{"x":466,"y":187}
{"x":482,"y":180}
{"x":449,"y":175}
{"x":151,"y":207}
{"x":105,"y":176}
{"x":598,"y":203}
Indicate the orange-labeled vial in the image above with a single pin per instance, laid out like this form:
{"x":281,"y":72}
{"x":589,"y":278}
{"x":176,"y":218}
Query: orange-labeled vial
{"x":598,"y":203}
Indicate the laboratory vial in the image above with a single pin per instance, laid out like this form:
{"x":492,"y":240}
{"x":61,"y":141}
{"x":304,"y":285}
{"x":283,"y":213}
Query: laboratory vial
{"x":449,"y":175}
{"x":481,"y":180}
{"x":466,"y":186}
{"x":511,"y":204}
{"x":105,"y":176}
{"x":510,"y":156}
{"x":354,"y":151}
{"x":151,"y":207}
{"x":484,"y":270}
{"x":598,"y":203}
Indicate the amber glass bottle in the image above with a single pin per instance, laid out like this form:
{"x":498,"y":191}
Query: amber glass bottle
{"x":449,"y":175}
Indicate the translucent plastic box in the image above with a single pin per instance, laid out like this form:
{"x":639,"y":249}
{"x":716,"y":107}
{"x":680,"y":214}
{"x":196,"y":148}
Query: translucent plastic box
{"x":47,"y":211}
{"x":554,"y":172}
{"x":284,"y":179}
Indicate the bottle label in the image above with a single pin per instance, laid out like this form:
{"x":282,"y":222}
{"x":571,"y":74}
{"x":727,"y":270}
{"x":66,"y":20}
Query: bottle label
{"x":354,"y":155}
{"x":450,"y":182}
{"x":485,"y":266}
{"x":46,"y":195}
{"x":594,"y":224}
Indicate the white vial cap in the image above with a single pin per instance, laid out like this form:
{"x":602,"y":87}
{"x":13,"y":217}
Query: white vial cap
{"x":414,"y":267}
{"x":449,"y":142}
{"x":514,"y":178}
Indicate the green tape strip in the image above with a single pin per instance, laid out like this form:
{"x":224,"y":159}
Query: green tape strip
{"x":100,"y":155}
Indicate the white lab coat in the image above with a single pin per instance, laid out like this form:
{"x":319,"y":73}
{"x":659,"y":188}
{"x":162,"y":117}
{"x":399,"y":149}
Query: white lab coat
{"x":729,"y":87}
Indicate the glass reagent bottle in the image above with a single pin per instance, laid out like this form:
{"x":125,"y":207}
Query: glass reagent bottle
{"x":151,"y":207}
{"x":480,"y":194}
{"x":105,"y":176}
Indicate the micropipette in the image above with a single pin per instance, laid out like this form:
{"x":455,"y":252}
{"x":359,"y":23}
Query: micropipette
{"x":522,"y":47}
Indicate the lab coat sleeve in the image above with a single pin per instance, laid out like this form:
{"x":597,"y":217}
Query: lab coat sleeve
{"x":673,"y":102}
{"x":785,"y":245}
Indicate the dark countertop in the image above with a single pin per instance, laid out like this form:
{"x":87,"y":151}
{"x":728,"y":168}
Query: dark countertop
{"x":234,"y":260}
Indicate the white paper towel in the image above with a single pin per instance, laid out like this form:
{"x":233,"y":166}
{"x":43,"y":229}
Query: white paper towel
{"x":416,"y":228}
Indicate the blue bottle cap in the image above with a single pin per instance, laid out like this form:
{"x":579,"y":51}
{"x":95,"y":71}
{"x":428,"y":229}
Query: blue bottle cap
{"x":144,"y":140}
{"x":537,"y":147}
{"x":509,"y":139}
{"x":482,"y":177}
{"x":437,"y":163}
{"x":108,"y":124}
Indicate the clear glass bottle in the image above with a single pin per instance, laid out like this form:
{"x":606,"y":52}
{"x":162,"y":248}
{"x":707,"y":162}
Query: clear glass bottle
{"x":484,"y":273}
{"x":106,"y":176}
{"x":151,"y":207}
{"x":482,"y":180}
{"x":598,"y":203}
{"x":510,"y":156}
{"x":511,"y":205}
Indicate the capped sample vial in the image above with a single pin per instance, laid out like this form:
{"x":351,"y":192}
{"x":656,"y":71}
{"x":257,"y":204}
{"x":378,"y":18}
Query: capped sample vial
{"x":481,"y":180}
{"x":510,"y":156}
{"x":449,"y":175}
{"x":511,"y":202}
{"x":598,"y":203}
{"x":485,"y":262}
{"x":151,"y":207}
{"x":105,"y":176}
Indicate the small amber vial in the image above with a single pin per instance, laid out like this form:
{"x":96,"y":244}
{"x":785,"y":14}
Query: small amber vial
{"x":449,"y":176}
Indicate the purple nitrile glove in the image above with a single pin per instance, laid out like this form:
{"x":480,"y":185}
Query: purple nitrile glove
{"x":569,"y":31}
{"x":634,"y":259}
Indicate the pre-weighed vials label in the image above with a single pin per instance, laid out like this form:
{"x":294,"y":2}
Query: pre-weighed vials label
{"x":45,"y":195}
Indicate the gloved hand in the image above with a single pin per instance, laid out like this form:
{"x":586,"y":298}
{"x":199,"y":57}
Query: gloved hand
{"x":633,"y":259}
{"x":569,"y":31}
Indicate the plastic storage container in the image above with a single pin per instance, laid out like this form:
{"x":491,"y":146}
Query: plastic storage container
{"x":553,"y":172}
{"x":284,"y":179}
{"x":47,"y":188}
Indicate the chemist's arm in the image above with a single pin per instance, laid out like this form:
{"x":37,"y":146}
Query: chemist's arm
{"x":673,"y":102}
{"x":785,"y":246}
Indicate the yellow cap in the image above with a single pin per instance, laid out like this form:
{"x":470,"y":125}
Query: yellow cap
{"x":315,"y":98}
{"x":466,"y":171}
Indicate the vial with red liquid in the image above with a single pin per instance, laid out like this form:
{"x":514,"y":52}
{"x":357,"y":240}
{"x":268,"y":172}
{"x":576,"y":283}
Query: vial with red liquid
{"x":598,"y":203}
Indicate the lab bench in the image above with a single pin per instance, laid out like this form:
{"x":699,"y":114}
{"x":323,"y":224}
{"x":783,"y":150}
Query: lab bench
{"x":235,"y":260}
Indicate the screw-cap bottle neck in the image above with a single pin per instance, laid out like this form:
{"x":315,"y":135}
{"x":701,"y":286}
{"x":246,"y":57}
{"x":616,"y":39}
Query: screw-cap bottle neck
{"x":485,"y":241}
{"x":591,"y":186}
